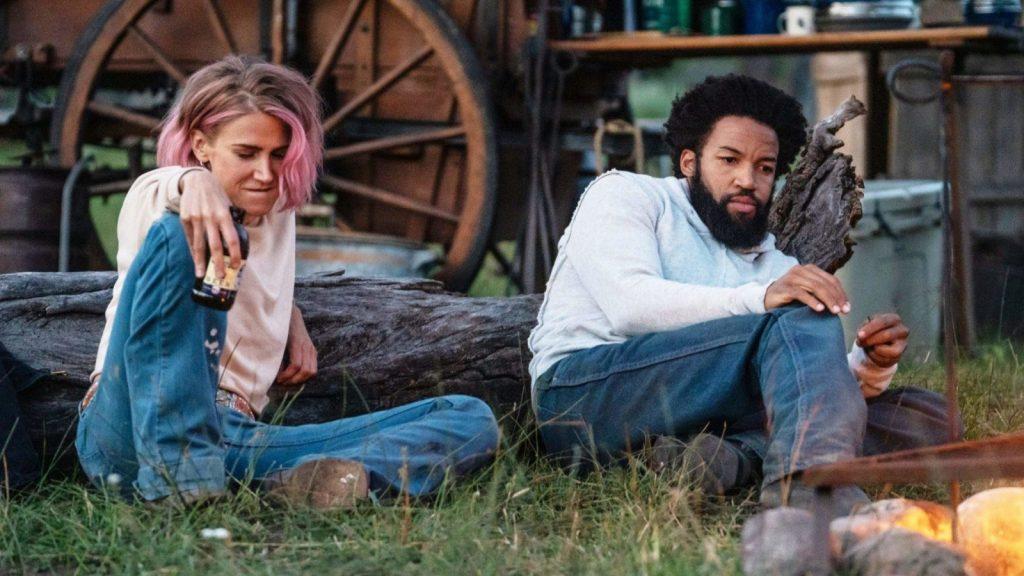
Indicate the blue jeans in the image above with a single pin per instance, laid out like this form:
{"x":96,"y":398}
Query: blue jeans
{"x":777,"y":383}
{"x":154,"y":421}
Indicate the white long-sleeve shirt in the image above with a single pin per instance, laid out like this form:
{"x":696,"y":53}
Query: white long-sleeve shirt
{"x":637,"y":259}
{"x":258,"y":322}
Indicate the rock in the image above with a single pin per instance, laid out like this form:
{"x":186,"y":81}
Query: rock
{"x":899,"y":551}
{"x":991,"y":530}
{"x":781,"y":542}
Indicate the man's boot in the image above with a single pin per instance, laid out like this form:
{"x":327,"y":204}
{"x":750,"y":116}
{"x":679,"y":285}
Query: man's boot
{"x":792,"y":493}
{"x":714,"y":465}
{"x":326,"y":484}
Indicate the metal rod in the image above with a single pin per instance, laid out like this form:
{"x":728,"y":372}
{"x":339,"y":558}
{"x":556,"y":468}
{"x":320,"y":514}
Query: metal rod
{"x":66,"y":198}
{"x":987,"y":79}
{"x":960,"y":295}
{"x":953,"y":218}
{"x":910,"y":471}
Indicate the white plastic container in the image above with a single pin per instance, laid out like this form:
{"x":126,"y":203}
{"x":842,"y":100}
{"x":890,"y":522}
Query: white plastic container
{"x":897,"y":262}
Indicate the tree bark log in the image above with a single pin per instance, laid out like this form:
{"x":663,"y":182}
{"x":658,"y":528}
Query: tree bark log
{"x":381,"y":343}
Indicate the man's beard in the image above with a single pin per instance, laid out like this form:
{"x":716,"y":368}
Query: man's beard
{"x":734,"y":233}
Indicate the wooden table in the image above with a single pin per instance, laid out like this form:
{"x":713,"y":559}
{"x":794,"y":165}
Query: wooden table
{"x":645,"y":44}
{"x":646,"y":49}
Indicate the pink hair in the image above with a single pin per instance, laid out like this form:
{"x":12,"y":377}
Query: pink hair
{"x":236,"y":86}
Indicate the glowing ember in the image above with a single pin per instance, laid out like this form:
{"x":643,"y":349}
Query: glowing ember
{"x":991,"y":531}
{"x":926,"y":518}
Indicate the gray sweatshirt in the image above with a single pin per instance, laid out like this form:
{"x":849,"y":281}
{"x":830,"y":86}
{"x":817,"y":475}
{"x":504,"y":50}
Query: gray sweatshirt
{"x":637,"y":259}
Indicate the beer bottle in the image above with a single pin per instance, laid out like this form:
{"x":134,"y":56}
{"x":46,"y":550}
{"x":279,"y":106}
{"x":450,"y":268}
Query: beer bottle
{"x":220,"y":294}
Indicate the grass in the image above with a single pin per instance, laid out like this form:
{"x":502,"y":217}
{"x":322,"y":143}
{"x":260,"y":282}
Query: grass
{"x":519,"y":516}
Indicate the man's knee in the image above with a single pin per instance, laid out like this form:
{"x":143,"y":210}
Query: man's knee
{"x":805,"y":332}
{"x":804,"y":317}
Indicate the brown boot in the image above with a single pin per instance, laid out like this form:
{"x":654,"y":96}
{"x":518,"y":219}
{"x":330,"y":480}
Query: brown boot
{"x":327,"y":484}
{"x":705,"y":461}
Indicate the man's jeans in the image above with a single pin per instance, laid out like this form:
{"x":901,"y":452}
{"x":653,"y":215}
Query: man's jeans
{"x":155,"y":424}
{"x":778,"y":383}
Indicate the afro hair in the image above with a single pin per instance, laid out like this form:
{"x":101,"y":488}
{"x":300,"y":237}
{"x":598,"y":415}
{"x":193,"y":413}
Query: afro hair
{"x":695,"y":113}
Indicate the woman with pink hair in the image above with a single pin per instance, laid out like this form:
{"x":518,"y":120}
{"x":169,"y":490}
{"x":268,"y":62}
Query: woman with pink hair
{"x":178,"y":387}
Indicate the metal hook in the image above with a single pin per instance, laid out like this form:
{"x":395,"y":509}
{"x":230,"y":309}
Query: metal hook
{"x":914,"y":64}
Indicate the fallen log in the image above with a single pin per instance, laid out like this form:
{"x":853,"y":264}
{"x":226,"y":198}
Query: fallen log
{"x":381,"y":343}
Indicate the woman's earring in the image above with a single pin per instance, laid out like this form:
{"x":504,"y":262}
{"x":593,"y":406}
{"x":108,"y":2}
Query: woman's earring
{"x":206,"y":164}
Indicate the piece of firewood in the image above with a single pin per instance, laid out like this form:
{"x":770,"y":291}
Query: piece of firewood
{"x":814,"y":212}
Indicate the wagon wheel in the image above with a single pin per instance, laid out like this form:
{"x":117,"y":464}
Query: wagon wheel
{"x":411,"y":150}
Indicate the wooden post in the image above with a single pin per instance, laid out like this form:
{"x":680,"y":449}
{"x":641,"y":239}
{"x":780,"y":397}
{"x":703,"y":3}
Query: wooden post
{"x":878,"y":118}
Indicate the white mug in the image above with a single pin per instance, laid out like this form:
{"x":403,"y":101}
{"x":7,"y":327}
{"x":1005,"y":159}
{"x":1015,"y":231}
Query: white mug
{"x":797,"y":20}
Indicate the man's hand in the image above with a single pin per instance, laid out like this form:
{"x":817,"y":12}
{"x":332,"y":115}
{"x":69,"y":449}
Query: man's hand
{"x":883,"y":338}
{"x":206,"y":218}
{"x":812,"y":286}
{"x":300,"y":354}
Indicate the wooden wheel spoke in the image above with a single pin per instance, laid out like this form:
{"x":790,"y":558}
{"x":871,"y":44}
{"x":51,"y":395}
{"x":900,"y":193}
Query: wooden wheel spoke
{"x":385,"y":82}
{"x":119,"y":113}
{"x":277,"y":33}
{"x":420,"y":137}
{"x":159,"y":55}
{"x":220,"y":25}
{"x":107,"y":188}
{"x":337,"y":43}
{"x":389,"y":198}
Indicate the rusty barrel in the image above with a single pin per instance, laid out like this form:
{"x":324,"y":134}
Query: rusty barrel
{"x":320,"y":250}
{"x":30,"y":206}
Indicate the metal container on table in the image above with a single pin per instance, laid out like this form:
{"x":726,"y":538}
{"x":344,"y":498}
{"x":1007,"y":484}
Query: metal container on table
{"x":719,"y":19}
{"x":668,"y":16}
{"x":321,"y":250}
{"x":762,"y":16}
{"x":866,"y":15}
{"x":993,"y":12}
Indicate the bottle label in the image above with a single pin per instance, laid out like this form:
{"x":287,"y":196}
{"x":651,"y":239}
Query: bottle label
{"x":230,"y":280}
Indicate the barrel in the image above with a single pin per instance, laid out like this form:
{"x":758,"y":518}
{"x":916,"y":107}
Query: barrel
{"x":30,"y":206}
{"x":320,"y":250}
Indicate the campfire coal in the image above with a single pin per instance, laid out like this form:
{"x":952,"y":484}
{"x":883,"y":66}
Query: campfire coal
{"x":928,"y":519}
{"x":897,"y":536}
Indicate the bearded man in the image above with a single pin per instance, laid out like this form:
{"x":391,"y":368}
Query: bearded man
{"x":671,"y":318}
